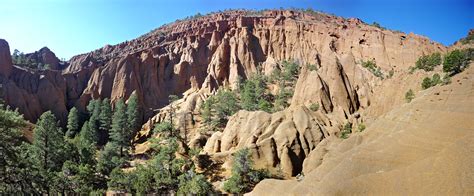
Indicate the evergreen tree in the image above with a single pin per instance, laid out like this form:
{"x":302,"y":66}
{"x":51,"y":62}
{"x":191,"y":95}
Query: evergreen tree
{"x":193,"y":184}
{"x":11,"y":179}
{"x":72,"y":123}
{"x":109,"y":158}
{"x":226,"y":106}
{"x":105,"y":121}
{"x":244,"y":177}
{"x":47,"y":148}
{"x":173,"y":108}
{"x":86,"y":143}
{"x":119,"y":133}
{"x":454,"y":62}
{"x":94,"y":111}
{"x":206,"y":111}
{"x":249,"y":96}
{"x":133,"y":114}
{"x":119,"y":181}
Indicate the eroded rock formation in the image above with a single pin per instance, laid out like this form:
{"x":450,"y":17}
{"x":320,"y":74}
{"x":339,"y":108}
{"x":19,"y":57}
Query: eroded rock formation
{"x":423,"y":147}
{"x":215,"y":50}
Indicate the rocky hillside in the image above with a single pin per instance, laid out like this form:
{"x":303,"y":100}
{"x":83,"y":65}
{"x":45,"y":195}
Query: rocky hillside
{"x":423,"y":147}
{"x":356,"y":73}
{"x":208,"y":52}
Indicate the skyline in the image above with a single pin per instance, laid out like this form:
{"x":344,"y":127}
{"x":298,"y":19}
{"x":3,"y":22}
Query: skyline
{"x":70,"y":28}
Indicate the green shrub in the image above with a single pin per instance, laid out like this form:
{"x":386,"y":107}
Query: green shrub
{"x":193,"y":184}
{"x":372,"y":67}
{"x":244,"y":176}
{"x":411,"y":70}
{"x":429,"y":62}
{"x":390,"y":73}
{"x":370,"y":64}
{"x":376,"y":24}
{"x":312,"y":67}
{"x":346,"y":130}
{"x":429,"y":82}
{"x":435,"y":80}
{"x":468,"y":39}
{"x":314,"y":107}
{"x":454,"y":62}
{"x":446,"y":79}
{"x":361,"y":127}
{"x":409,"y":95}
{"x":426,"y":83}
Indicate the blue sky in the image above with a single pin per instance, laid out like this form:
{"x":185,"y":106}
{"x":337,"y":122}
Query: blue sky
{"x":70,"y":27}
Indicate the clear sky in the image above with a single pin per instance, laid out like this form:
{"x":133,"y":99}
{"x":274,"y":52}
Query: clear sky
{"x":70,"y":27}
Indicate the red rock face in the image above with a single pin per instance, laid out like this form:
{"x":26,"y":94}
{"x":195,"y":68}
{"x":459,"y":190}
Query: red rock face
{"x":209,"y":52}
{"x":45,"y":56}
{"x":5,"y":58}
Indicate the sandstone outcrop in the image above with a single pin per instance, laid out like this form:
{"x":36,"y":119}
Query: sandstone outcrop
{"x":216,"y":50}
{"x":280,"y":140}
{"x":193,"y":58}
{"x":45,"y":56}
{"x":423,"y":147}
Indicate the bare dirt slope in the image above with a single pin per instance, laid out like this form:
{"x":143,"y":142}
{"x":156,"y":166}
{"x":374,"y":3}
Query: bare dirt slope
{"x":424,"y":147}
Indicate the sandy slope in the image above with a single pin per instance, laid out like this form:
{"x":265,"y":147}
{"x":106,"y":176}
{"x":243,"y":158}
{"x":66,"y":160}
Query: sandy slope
{"x":425,"y":147}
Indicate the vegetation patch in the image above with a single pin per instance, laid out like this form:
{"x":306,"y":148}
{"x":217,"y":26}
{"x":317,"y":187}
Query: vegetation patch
{"x":409,"y":95}
{"x":433,"y":81}
{"x":457,"y":60}
{"x":314,"y":107}
{"x":372,"y":67}
{"x":429,"y":62}
{"x":252,"y":95}
{"x":346,"y":131}
{"x":244,"y":177}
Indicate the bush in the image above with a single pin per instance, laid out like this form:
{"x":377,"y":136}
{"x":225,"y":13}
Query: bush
{"x":244,"y":177}
{"x":193,"y":184}
{"x":411,"y":70}
{"x":454,"y":62}
{"x":390,"y":73}
{"x":409,"y":95}
{"x":372,"y":67}
{"x":376,"y":24}
{"x":314,"y":107}
{"x":446,"y":79}
{"x":426,"y":83}
{"x":468,"y":39}
{"x":361,"y":127}
{"x":429,"y":62}
{"x":436,"y":79}
{"x":346,"y":130}
{"x":312,"y":67}
{"x":429,"y":82}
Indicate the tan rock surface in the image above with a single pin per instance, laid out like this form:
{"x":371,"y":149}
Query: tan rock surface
{"x":216,"y":50}
{"x":280,"y":140}
{"x":424,"y":147}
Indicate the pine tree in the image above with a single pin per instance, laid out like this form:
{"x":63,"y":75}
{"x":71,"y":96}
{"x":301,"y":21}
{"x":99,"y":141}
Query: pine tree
{"x":86,"y":143}
{"x":133,"y":114}
{"x":94,"y":111}
{"x":244,"y":176}
{"x":48,"y":142}
{"x":173,"y":108}
{"x":47,"y":149}
{"x":109,"y":158}
{"x":193,"y":184}
{"x":105,"y":120}
{"x":119,"y":133}
{"x":72,"y":123}
{"x":11,"y":179}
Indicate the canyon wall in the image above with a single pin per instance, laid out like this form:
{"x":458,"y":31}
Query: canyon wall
{"x":209,"y":52}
